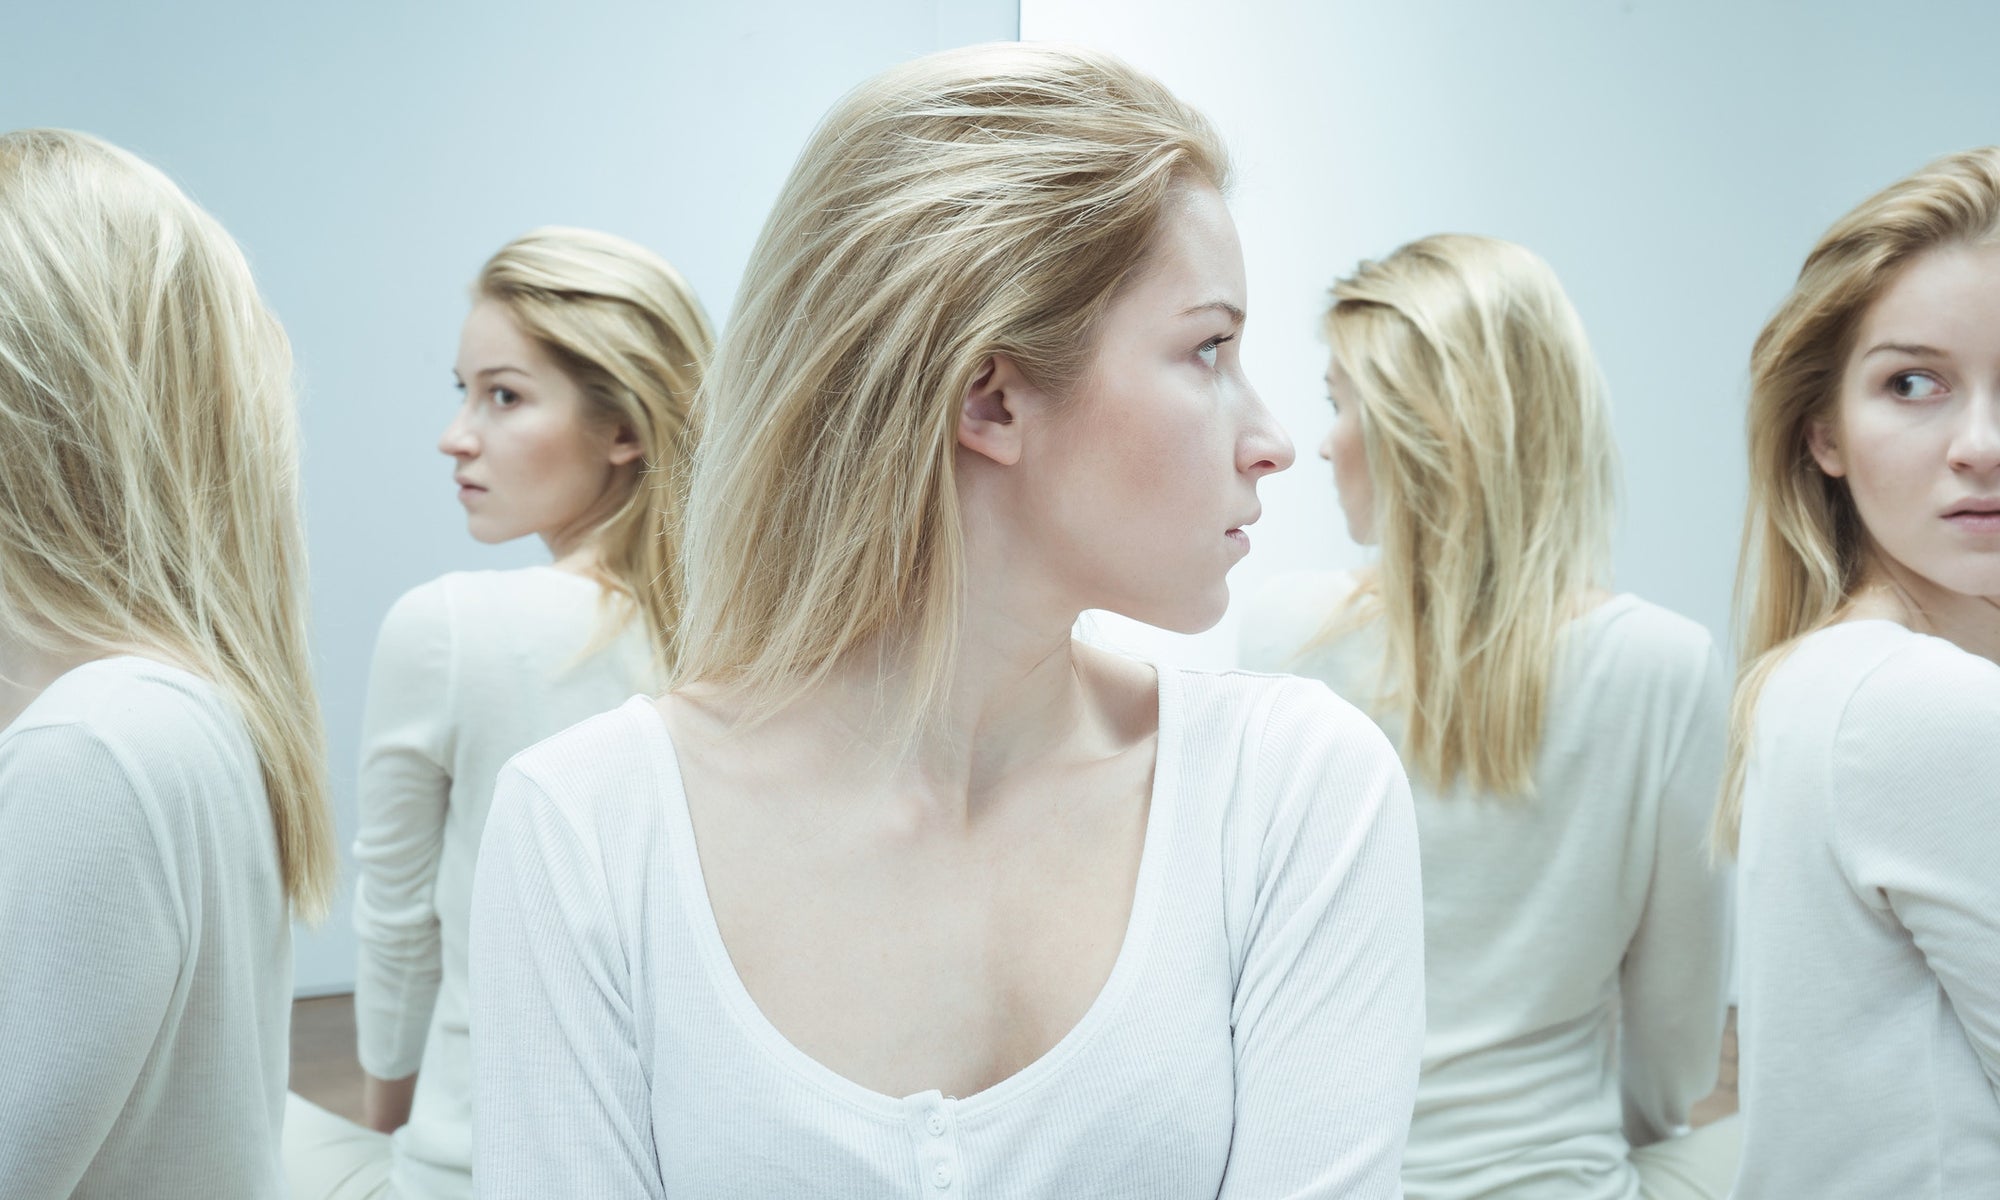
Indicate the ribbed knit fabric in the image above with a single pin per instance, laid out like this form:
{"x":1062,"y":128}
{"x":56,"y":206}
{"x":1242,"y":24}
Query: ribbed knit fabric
{"x":1577,"y":940}
{"x":1870,"y":922}
{"x":1257,"y":1036}
{"x":469,"y":669}
{"x":145,"y":945}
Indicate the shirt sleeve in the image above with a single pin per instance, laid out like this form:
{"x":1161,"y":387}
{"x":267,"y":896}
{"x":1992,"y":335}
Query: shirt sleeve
{"x":404,"y":788}
{"x":93,"y":937}
{"x":1329,"y":1007}
{"x":1916,"y":804}
{"x":564,"y":1102}
{"x":1675,"y":978}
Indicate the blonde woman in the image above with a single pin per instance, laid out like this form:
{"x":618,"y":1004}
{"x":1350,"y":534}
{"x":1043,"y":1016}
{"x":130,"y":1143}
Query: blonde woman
{"x":1866,"y":782}
{"x":899,"y":890}
{"x":163,"y":809}
{"x":1564,"y":744}
{"x":577,"y":364}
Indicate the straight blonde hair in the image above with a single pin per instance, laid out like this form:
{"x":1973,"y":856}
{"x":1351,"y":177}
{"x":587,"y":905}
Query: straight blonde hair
{"x":628,"y":330}
{"x":1488,"y":440}
{"x":1805,"y":550}
{"x":149,"y":458}
{"x":979,"y":202}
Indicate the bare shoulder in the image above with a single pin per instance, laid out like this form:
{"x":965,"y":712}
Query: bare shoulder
{"x":710,"y":737}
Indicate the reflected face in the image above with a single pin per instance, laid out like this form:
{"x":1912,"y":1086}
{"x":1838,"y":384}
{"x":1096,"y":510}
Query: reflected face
{"x":1916,"y":430}
{"x":1144,"y":480}
{"x":529,"y":459}
{"x":1343,"y":448}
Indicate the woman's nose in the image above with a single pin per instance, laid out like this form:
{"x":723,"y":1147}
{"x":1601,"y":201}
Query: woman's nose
{"x":457,"y":440}
{"x":1268,"y":448}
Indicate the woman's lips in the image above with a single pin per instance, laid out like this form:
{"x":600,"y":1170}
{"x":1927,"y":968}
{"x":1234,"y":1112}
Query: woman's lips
{"x":1975,"y":522}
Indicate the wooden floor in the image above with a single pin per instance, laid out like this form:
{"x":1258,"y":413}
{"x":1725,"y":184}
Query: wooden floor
{"x":324,"y":1070}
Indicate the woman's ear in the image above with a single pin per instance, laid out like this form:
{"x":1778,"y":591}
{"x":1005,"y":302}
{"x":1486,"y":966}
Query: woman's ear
{"x":1823,"y":441}
{"x":625,"y":445}
{"x":989,"y":416}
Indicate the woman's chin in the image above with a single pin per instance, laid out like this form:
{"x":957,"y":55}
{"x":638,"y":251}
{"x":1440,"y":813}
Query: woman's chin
{"x":488,"y":534}
{"x":1181,"y":614}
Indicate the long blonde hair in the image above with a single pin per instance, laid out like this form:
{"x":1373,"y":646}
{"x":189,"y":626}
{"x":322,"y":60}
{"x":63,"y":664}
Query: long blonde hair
{"x":1488,"y":437}
{"x":624,"y":325}
{"x":1804,"y":547}
{"x":149,"y":460}
{"x":978,"y":202}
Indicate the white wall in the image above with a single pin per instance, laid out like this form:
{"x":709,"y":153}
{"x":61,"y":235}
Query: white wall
{"x":370,"y":155}
{"x":1673,"y":161}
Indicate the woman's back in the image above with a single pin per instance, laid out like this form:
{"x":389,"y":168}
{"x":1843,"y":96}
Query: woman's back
{"x":147,"y":993}
{"x":470,"y":669}
{"x":1558,"y":925}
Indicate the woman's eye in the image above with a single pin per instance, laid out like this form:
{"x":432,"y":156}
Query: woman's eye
{"x":1914,"y":385}
{"x":504,"y":398}
{"x":1207,"y":351}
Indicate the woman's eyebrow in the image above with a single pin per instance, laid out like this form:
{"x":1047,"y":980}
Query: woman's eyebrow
{"x":1910,"y":348}
{"x":1235,"y":313}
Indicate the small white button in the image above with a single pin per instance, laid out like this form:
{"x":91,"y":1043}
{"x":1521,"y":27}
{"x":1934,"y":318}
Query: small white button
{"x":941,"y":1175}
{"x":935,"y":1123}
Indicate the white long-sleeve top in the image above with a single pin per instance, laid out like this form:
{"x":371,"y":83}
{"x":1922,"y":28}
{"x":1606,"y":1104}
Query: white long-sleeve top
{"x":468,"y":670}
{"x":1257,"y":1035}
{"x":145,"y":945}
{"x":1577,"y":942}
{"x":1870,"y":921}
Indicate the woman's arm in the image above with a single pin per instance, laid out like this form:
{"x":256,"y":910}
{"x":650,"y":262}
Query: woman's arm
{"x":404,"y":788}
{"x":385,"y":1103}
{"x":564,"y":1105}
{"x":1329,"y":1009}
{"x":92,"y":943}
{"x":1916,"y":770}
{"x":1675,"y":978}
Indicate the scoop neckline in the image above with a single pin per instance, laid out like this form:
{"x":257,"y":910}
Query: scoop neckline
{"x":1133,"y":949}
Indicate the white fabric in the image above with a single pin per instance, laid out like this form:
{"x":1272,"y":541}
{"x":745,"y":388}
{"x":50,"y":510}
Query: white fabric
{"x":1694,"y":1166}
{"x":1577,"y":943}
{"x":469,"y":669}
{"x":1257,"y":1036}
{"x":328,"y":1157}
{"x":1870,"y":869}
{"x":145,"y":944}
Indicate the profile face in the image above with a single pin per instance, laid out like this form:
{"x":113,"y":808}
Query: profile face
{"x":1916,"y":429}
{"x":1147,"y":476}
{"x":1344,"y":449}
{"x":528,"y":458}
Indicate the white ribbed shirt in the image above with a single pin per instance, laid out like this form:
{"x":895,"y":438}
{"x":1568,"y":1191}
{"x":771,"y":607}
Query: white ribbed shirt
{"x":469,"y":669}
{"x":1257,"y":1036}
{"x":1577,"y":942}
{"x":1870,"y":875}
{"x":145,"y":945}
